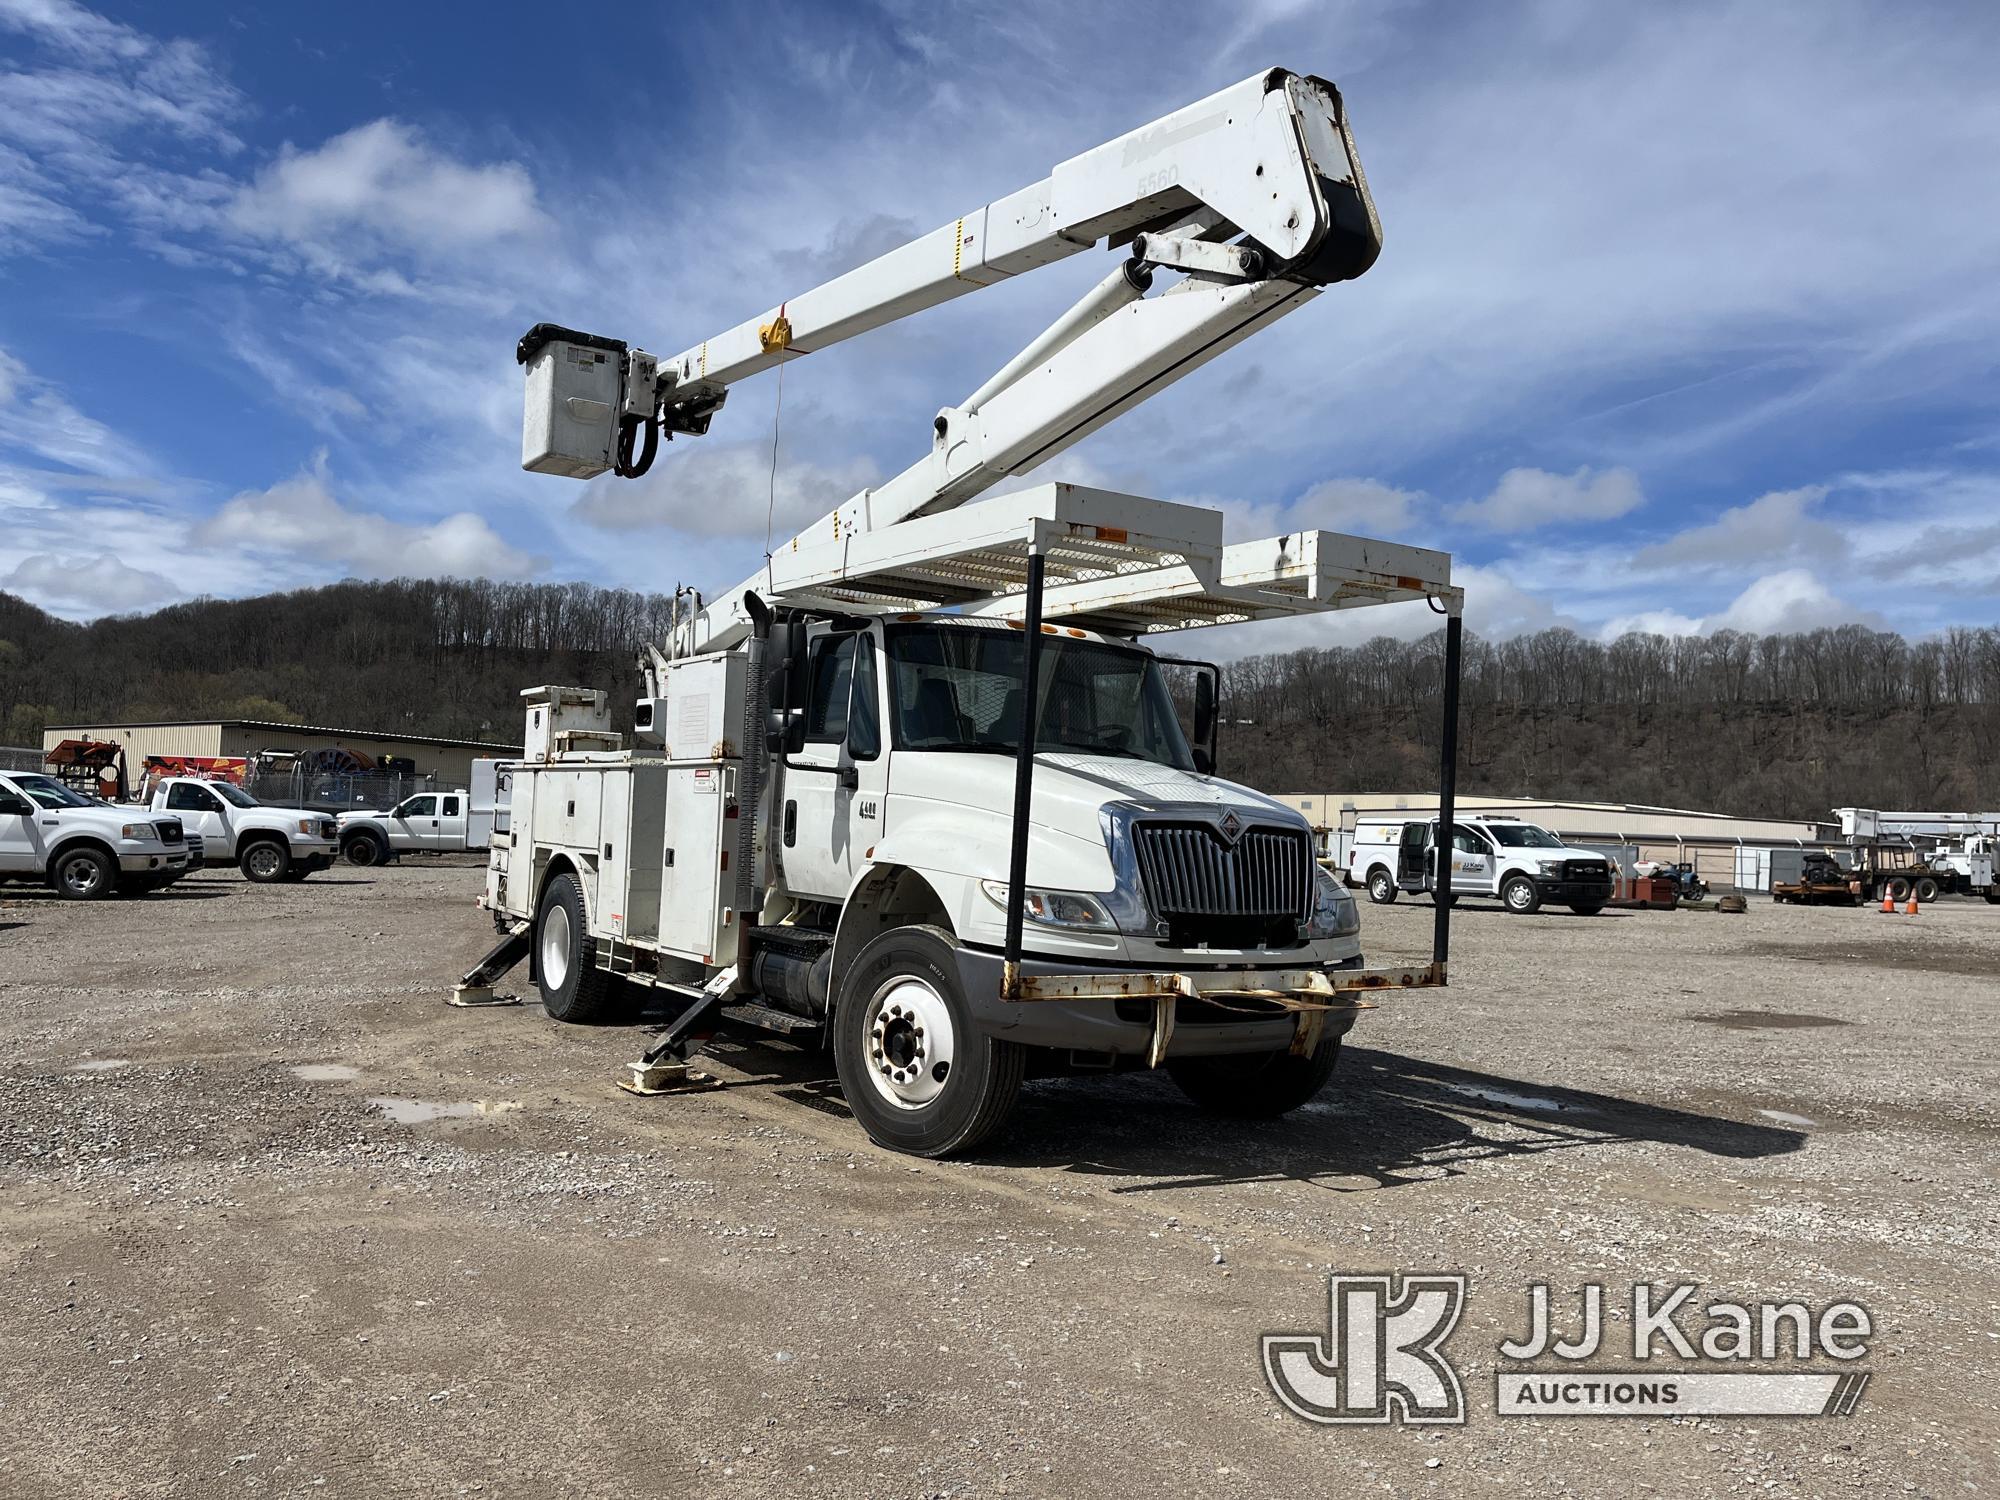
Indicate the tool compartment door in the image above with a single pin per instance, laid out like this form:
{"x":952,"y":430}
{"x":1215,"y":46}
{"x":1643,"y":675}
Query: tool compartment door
{"x":696,"y":882}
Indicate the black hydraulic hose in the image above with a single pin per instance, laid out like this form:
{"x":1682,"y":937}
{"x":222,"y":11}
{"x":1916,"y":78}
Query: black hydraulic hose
{"x":749,"y":779}
{"x":628,"y":429}
{"x":1454,"y":628}
{"x":1024,"y":781}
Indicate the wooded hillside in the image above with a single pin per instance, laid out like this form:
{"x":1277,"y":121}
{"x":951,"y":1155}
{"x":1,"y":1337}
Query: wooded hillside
{"x":1780,"y":725}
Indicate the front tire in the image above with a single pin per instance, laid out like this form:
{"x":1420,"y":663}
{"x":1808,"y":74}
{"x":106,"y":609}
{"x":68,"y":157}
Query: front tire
{"x":573,"y":988}
{"x":1586,"y":908}
{"x":1255,"y":1085}
{"x":918,"y":1075}
{"x":267,"y":861}
{"x":84,"y":874}
{"x":1521,"y":896}
{"x":365,"y":849}
{"x":1381,"y":887}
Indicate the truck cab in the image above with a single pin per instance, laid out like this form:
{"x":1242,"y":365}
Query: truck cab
{"x":83,"y":849}
{"x":1521,"y":864}
{"x":267,"y":843}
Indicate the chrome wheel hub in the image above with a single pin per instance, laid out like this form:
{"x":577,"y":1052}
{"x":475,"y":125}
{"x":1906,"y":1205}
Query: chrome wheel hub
{"x":910,"y":1042}
{"x":80,"y":876}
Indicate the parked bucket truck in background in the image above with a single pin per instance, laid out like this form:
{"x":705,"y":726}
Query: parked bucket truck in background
{"x":916,"y":790}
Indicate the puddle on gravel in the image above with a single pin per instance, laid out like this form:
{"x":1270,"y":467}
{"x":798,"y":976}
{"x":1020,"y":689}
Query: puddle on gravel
{"x":421,"y":1111}
{"x":101,"y":1065}
{"x":1784,"y":1117}
{"x":1766,"y":1020}
{"x":325,"y":1072}
{"x":1506,"y":1100}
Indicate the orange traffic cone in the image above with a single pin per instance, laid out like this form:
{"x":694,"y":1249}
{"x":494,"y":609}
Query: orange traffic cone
{"x":1911,"y":909}
{"x":1889,"y":903}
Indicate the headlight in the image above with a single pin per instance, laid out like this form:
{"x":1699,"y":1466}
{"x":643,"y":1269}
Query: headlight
{"x":308,"y":826}
{"x":1054,"y":908}
{"x":142,"y":832}
{"x":1334,"y":912}
{"x":1549,"y":866}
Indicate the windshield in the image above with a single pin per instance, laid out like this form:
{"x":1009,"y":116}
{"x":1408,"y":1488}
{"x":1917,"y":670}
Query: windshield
{"x":959,"y":688}
{"x":50,"y":792}
{"x":235,"y":794}
{"x":1523,"y":836}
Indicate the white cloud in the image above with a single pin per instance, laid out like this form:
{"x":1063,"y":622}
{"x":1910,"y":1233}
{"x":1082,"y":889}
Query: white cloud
{"x":385,"y":181}
{"x":705,"y":489}
{"x":91,"y":585}
{"x":1527,"y":498}
{"x":38,"y":418}
{"x":1791,"y":600}
{"x":1771,"y":528}
{"x":1364,"y":506}
{"x":299,"y":519}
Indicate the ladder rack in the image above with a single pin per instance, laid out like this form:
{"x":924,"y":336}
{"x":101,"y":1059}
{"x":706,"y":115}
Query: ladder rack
{"x":1120,"y":564}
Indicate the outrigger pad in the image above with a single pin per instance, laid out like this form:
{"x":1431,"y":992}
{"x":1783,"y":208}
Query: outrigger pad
{"x":667,"y":1078}
{"x":479,"y":997}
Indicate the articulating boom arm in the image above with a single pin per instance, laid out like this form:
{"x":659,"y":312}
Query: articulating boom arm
{"x":1255,"y":196}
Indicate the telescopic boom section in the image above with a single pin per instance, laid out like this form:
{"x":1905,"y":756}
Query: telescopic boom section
{"x":1253,"y":198}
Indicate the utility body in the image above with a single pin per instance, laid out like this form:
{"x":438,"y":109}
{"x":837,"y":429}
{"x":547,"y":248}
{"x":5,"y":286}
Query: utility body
{"x":918,"y":790}
{"x":83,"y":848}
{"x":267,"y":843}
{"x":1523,"y":866}
{"x":428,"y":823}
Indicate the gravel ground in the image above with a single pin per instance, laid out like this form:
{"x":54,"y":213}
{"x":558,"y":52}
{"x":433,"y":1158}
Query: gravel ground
{"x":276,"y":1221}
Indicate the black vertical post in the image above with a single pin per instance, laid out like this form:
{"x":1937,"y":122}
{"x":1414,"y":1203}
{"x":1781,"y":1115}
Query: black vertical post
{"x":1447,"y":794}
{"x":1024,"y":777}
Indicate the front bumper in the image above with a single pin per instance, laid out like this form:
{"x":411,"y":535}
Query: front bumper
{"x":1145,"y":1012}
{"x":1579,"y":892}
{"x":156,"y":860}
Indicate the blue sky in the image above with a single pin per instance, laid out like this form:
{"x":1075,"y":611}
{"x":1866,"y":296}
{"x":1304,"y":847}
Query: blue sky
{"x":1686,"y":317}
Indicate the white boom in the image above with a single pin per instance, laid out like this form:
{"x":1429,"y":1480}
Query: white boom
{"x":1254,"y":196}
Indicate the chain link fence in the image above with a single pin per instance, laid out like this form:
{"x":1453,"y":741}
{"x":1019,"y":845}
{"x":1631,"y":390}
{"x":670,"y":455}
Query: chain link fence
{"x":19,"y":758}
{"x":336,"y":791}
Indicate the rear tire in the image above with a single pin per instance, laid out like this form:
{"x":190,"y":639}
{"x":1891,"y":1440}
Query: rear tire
{"x":573,"y":988}
{"x":266,"y":861}
{"x":1993,"y":895}
{"x":918,"y":1075}
{"x":1381,"y":887}
{"x":1898,"y":889}
{"x":1255,"y":1085}
{"x":1927,"y":890}
{"x":84,"y":874}
{"x":365,"y":849}
{"x":1521,"y":896}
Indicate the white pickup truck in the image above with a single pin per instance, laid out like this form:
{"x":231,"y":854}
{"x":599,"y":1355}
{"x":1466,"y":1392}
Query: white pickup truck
{"x":428,"y":823}
{"x":83,"y":848}
{"x":266,"y":843}
{"x":1522,"y":864}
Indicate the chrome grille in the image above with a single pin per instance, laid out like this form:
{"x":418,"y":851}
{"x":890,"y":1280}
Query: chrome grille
{"x":1190,"y":871}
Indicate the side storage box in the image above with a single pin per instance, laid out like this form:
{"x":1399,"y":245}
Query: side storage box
{"x":697,"y":885}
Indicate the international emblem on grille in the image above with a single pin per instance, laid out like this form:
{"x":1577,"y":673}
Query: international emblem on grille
{"x":1231,"y":827}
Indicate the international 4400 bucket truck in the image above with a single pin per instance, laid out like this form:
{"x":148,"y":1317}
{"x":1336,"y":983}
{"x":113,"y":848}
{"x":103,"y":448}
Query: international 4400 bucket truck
{"x":917,"y":790}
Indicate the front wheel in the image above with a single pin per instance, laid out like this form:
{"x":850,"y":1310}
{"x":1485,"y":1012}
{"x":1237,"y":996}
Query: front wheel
{"x":1586,"y":908}
{"x":1255,"y":1085}
{"x":1520,"y":895}
{"x":573,"y":987}
{"x":365,"y":849}
{"x":1993,"y":895}
{"x":917,"y":1074}
{"x":84,"y":875}
{"x":1381,"y":888}
{"x":265,"y":861}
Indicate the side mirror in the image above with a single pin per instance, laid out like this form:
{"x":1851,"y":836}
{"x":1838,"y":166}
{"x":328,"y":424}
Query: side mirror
{"x":13,"y":805}
{"x":1204,"y":708}
{"x":1203,"y":761}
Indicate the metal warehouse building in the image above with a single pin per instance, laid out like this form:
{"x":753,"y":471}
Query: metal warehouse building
{"x":448,"y":760}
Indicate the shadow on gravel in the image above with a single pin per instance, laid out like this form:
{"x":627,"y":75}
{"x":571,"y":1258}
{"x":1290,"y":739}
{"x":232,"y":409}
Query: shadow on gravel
{"x":1386,"y":1120}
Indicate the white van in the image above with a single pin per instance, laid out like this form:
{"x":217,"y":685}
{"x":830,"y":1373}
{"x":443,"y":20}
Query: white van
{"x":1523,"y":865}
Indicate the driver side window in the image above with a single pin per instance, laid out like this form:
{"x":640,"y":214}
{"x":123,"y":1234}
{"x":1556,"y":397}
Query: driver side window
{"x":420,"y":807}
{"x":1468,"y":841}
{"x":183,"y":797}
{"x":826,"y":702}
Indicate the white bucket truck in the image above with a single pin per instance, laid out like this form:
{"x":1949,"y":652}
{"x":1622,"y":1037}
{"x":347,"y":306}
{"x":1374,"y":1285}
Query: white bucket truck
{"x":917,"y":790}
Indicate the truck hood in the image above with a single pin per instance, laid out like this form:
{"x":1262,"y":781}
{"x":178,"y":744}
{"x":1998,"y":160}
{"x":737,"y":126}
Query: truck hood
{"x":1071,"y":789}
